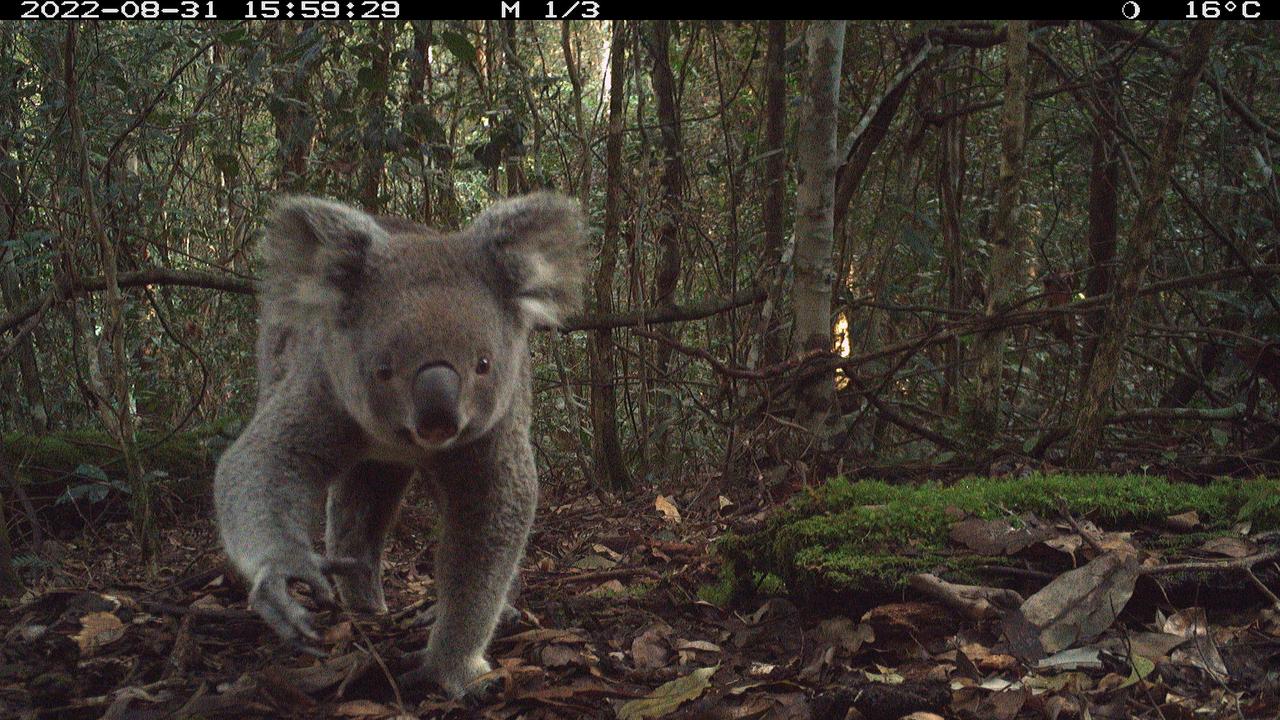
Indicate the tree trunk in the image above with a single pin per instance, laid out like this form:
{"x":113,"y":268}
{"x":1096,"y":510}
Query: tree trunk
{"x":11,"y":202}
{"x":606,"y":450}
{"x":951,"y":174}
{"x":1104,"y":176}
{"x":1006,"y":251}
{"x":290,"y":105}
{"x":114,"y":401}
{"x":664,"y":91}
{"x":1087,"y":426}
{"x":373,"y":149}
{"x":766,"y":345}
{"x":816,"y":163}
{"x":10,"y":580}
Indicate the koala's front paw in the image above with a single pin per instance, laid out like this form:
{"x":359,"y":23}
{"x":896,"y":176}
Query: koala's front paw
{"x":361,"y":590}
{"x":456,"y":678}
{"x":271,"y":599}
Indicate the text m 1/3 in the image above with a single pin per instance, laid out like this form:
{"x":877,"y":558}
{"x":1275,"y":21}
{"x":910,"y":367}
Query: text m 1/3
{"x":566,"y":10}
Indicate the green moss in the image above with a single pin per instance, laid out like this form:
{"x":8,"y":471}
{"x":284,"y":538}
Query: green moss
{"x":870,"y":536}
{"x":57,"y":455}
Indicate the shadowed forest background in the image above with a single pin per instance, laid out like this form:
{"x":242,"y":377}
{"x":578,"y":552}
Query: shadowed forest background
{"x":888,"y":250}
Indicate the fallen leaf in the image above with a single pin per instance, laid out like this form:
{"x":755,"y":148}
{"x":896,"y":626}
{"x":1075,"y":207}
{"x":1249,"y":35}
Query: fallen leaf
{"x":1075,"y":607}
{"x":886,"y":675}
{"x":1072,"y":659}
{"x":1183,"y":522}
{"x":844,"y":633}
{"x":97,"y":630}
{"x":1233,"y":547}
{"x":1140,"y":668}
{"x":342,"y":632}
{"x":668,"y":696}
{"x":557,"y":656}
{"x":594,"y":562}
{"x":363,"y":709}
{"x":668,"y":508}
{"x":1155,"y":645}
{"x":649,"y":648}
{"x":1202,"y":652}
{"x":998,"y":537}
{"x":608,"y":587}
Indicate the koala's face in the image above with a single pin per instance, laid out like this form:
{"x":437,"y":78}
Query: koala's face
{"x":426,"y":336}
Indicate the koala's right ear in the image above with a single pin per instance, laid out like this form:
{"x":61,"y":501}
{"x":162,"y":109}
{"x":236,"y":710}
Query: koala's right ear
{"x":315,"y":252}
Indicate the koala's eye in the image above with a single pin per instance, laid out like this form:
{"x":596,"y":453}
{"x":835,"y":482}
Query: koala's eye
{"x":384,"y":373}
{"x":482,"y":366}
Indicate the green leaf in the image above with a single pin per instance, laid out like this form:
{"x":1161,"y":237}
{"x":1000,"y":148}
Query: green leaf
{"x":228,"y":164}
{"x":459,"y":46}
{"x":92,"y":472}
{"x":1220,"y":437}
{"x":668,"y":696}
{"x":1140,"y":668}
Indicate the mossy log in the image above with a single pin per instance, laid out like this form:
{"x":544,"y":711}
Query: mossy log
{"x":862,"y":540}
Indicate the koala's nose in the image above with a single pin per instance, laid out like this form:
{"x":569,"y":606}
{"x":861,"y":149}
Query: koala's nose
{"x":435,"y":402}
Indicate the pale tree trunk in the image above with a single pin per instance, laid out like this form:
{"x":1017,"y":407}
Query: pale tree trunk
{"x":816,"y":163}
{"x":766,"y":345}
{"x":1006,"y":240}
{"x":115,"y":396}
{"x":606,"y":450}
{"x":1136,"y":257}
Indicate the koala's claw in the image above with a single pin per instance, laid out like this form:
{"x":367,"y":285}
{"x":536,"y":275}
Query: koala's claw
{"x":463,"y":679}
{"x":271,"y":599}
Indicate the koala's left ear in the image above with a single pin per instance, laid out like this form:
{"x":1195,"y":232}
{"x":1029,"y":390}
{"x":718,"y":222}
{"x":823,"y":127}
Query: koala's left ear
{"x":539,"y":244}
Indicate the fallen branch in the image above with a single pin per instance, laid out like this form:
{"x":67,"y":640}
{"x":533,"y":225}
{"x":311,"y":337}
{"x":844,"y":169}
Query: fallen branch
{"x":1243,"y":563}
{"x":975,"y":602}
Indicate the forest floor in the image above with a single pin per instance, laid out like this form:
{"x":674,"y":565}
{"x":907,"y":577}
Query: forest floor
{"x":612,"y":625}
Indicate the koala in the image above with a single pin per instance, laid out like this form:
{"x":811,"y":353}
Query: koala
{"x":384,"y":349}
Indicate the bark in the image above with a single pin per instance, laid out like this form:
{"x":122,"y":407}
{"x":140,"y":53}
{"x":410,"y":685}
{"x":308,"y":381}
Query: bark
{"x":582,"y":176}
{"x":10,"y":580}
{"x":871,"y":130}
{"x":290,"y":105}
{"x":1104,"y":176}
{"x":668,"y":273}
{"x":606,"y":450}
{"x":766,"y":345}
{"x":816,"y":163}
{"x":1006,"y":239}
{"x":12,"y":201}
{"x":114,"y":393}
{"x":1140,"y":240}
{"x":374,"y":147}
{"x":439,"y":200}
{"x":951,"y":172}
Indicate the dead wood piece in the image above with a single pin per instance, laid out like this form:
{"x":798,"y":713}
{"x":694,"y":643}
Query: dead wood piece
{"x":975,"y":602}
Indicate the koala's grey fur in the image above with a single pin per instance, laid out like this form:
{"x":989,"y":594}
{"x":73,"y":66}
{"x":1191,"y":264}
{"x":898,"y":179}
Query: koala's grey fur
{"x":354,"y":310}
